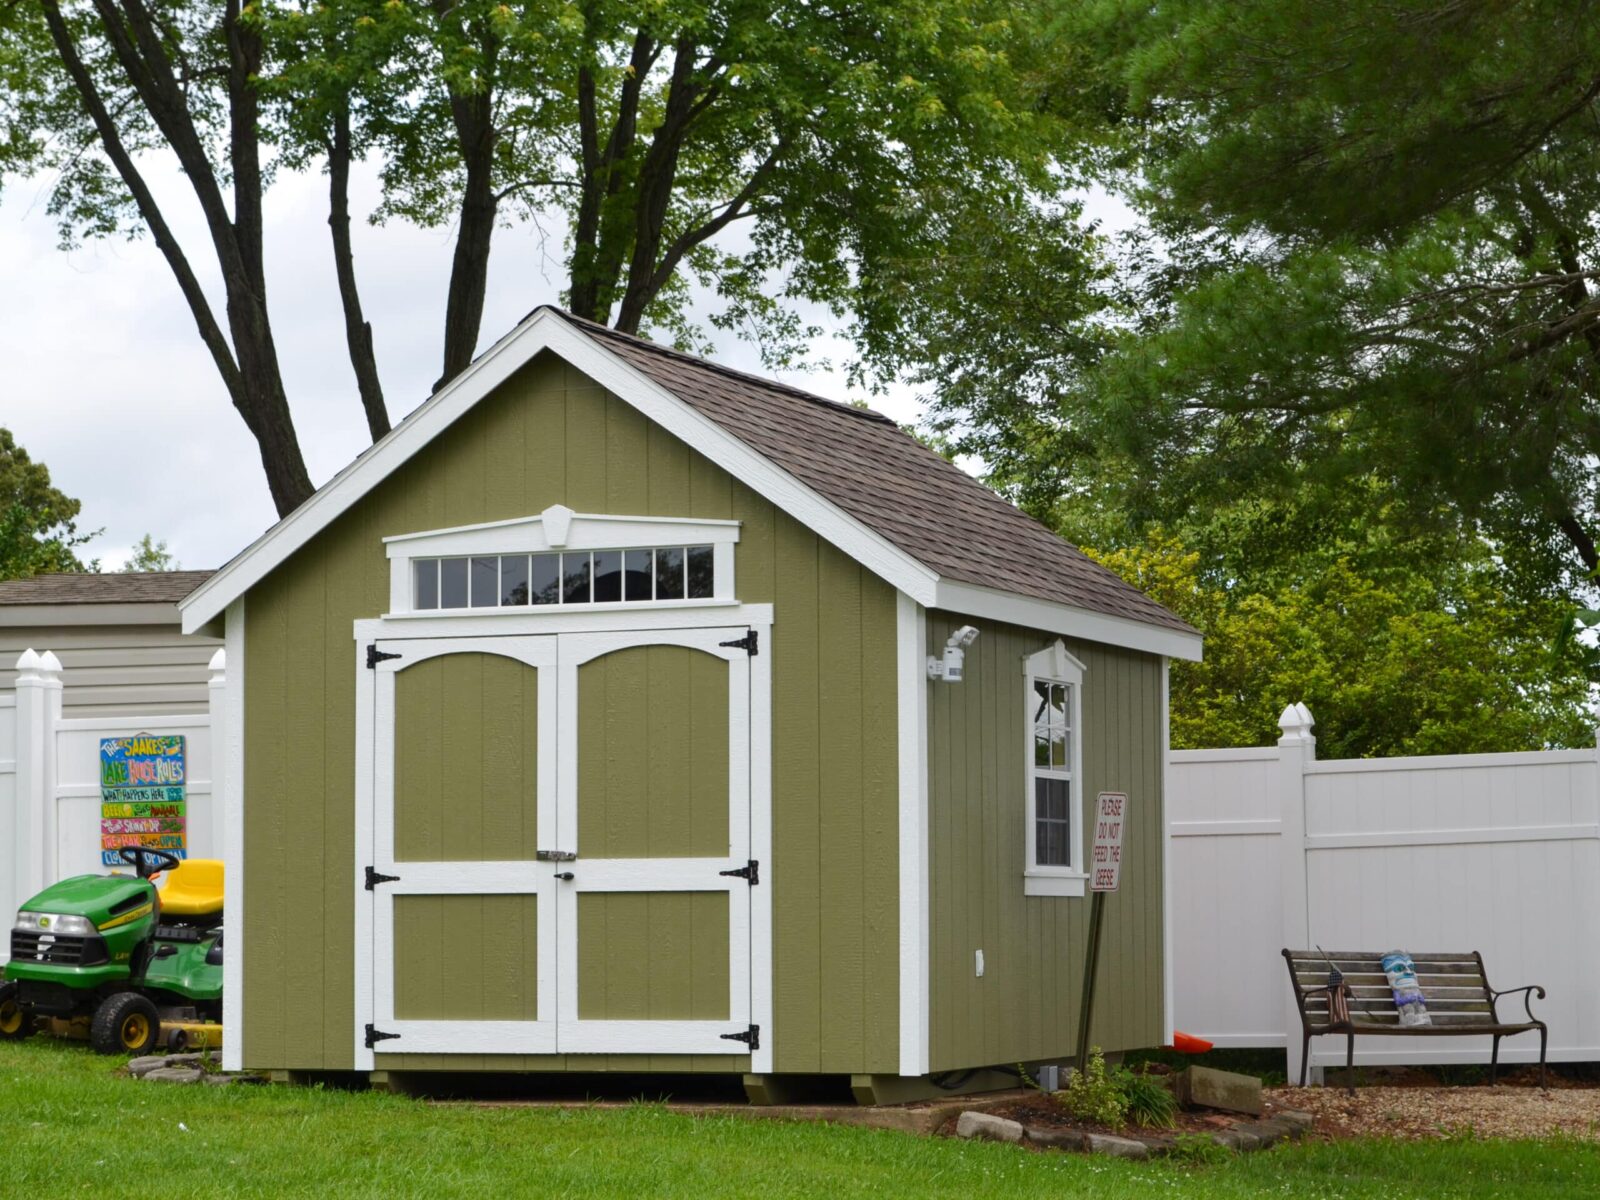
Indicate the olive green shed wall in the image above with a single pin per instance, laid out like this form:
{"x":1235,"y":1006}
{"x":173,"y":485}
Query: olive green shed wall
{"x":1025,"y":1007}
{"x":549,"y":436}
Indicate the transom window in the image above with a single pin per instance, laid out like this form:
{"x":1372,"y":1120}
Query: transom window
{"x":1053,"y":690}
{"x":644,"y":575}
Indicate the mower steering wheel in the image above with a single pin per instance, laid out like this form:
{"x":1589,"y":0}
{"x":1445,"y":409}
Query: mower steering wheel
{"x":140,"y":858}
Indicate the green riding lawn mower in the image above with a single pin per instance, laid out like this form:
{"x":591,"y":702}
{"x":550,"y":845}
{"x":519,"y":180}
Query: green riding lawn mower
{"x":112,"y":957}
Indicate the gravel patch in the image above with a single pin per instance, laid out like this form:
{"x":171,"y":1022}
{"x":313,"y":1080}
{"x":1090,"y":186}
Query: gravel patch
{"x":1421,"y":1112}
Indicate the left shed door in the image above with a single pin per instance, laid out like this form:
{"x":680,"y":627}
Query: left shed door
{"x":464,"y":801}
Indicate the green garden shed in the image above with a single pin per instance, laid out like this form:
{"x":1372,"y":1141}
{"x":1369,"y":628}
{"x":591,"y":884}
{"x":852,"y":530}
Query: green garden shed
{"x":622,"y":712}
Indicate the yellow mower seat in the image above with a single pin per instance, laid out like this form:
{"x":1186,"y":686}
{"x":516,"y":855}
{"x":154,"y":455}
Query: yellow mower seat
{"x":194,"y":888}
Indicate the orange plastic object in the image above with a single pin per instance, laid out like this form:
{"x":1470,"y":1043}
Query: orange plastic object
{"x":1187,"y":1043}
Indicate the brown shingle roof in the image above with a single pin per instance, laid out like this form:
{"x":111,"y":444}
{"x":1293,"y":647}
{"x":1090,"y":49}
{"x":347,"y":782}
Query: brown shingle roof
{"x":134,"y":587}
{"x":890,"y":482}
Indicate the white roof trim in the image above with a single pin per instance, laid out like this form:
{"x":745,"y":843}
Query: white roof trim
{"x":1014,"y":609}
{"x":547,"y":330}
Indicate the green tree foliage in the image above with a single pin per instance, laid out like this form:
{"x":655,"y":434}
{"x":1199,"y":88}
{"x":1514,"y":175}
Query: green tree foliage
{"x":38,"y":530}
{"x":151,"y":555}
{"x":1380,"y":222}
{"x":771,"y":156}
{"x":1398,"y":643}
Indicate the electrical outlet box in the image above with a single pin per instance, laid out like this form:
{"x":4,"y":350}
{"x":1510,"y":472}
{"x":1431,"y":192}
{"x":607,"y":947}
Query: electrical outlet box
{"x":978,"y":964}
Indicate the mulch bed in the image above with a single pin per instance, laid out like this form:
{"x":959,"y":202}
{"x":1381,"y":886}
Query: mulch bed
{"x":1413,"y":1106}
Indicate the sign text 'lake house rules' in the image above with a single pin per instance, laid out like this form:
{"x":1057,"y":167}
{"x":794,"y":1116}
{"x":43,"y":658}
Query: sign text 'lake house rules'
{"x":143,"y":795}
{"x":1105,"y":857}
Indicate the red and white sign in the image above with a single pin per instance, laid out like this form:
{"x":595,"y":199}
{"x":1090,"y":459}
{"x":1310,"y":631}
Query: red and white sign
{"x":1105,"y":857}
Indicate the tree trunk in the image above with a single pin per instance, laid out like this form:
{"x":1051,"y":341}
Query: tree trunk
{"x":357,"y":330}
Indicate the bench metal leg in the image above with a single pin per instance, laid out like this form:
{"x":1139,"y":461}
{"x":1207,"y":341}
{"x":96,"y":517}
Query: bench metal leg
{"x":1544,"y":1038}
{"x":1350,"y":1063}
{"x":1305,"y":1055}
{"x":1494,"y":1060}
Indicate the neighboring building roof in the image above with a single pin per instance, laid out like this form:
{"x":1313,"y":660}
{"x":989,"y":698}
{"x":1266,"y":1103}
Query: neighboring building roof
{"x":85,"y":587}
{"x":881,"y":475}
{"x":850,"y":474}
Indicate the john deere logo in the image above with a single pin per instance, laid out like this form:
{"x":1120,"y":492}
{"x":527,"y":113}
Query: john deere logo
{"x":44,"y":922}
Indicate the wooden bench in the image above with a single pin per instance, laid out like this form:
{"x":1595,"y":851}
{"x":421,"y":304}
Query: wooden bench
{"x":1454,"y":987}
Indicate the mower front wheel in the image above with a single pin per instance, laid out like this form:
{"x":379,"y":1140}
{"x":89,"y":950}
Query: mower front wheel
{"x":126,"y":1023}
{"x":16,"y":1022}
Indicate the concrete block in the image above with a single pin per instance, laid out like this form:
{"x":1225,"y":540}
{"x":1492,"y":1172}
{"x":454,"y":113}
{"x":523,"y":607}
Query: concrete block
{"x":1118,"y":1147}
{"x":982,"y":1125}
{"x":174,"y":1075}
{"x":1206,"y":1087}
{"x":1056,"y":1139}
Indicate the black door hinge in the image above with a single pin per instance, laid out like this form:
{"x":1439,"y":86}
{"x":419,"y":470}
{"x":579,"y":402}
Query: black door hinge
{"x":375,"y":1035}
{"x":374,"y":878}
{"x":750,"y":872}
{"x":376,"y":656}
{"x":751,"y":1037}
{"x":749,"y":643}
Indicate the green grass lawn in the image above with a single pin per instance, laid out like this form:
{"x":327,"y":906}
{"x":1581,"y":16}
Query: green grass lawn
{"x":71,"y":1127}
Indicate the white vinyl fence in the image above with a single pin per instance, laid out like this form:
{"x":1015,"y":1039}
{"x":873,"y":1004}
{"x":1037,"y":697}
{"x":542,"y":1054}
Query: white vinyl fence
{"x":50,"y":780}
{"x":1271,"y":848}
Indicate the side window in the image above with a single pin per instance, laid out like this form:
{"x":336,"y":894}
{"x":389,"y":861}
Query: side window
{"x":1053,"y":694}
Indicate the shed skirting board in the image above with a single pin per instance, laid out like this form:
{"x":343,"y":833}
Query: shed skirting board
{"x":911,"y":634}
{"x":233,"y":841}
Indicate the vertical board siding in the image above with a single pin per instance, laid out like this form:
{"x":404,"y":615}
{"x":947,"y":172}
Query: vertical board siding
{"x":653,"y":956}
{"x":550,"y":436}
{"x":1025,"y":1007}
{"x":466,"y":958}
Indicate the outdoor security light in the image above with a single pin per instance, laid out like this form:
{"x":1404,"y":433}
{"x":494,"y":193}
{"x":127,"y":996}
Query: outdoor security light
{"x":949,"y":668}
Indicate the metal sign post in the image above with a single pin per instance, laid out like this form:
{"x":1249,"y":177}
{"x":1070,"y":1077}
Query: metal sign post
{"x":1105,"y":872}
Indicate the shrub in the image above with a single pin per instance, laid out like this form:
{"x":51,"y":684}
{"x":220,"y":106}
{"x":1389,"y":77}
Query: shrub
{"x":1095,"y":1094}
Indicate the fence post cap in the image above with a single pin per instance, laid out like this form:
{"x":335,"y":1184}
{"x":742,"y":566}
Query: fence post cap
{"x":49,"y":663}
{"x":1296,"y":722}
{"x":28,"y":661}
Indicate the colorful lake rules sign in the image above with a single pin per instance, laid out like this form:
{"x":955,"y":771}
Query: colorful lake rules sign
{"x":1105,"y":856}
{"x":143,"y":795}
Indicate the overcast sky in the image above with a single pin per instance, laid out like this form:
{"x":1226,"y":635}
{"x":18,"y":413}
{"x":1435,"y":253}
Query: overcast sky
{"x":106,"y":381}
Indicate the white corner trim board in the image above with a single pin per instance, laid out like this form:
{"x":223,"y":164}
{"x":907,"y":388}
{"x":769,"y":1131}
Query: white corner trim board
{"x":912,"y":718}
{"x":546,"y":330}
{"x":233,"y":839}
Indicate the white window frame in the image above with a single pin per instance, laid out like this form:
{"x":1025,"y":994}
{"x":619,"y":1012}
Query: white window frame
{"x":556,"y":529}
{"x":1054,"y":664}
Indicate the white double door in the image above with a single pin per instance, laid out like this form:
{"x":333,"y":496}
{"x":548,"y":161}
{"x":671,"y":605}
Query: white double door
{"x":561,"y":843}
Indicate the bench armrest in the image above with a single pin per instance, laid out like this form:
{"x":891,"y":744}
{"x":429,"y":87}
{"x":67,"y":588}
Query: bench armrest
{"x":1305,"y":1018}
{"x":1527,"y":994}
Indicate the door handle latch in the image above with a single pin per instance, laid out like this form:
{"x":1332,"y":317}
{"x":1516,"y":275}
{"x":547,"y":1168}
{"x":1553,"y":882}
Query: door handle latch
{"x":566,"y":875}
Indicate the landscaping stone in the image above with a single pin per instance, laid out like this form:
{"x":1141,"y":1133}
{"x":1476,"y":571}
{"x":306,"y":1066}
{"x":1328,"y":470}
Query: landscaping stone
{"x":174,"y":1075}
{"x":1234,"y":1140}
{"x":973,"y":1124}
{"x":142,"y":1066}
{"x":1206,"y":1087}
{"x":1118,"y":1147}
{"x":1300,"y":1121}
{"x":1056,"y":1139}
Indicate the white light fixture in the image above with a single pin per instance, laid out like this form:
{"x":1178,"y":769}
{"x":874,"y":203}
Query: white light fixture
{"x":949,"y":667}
